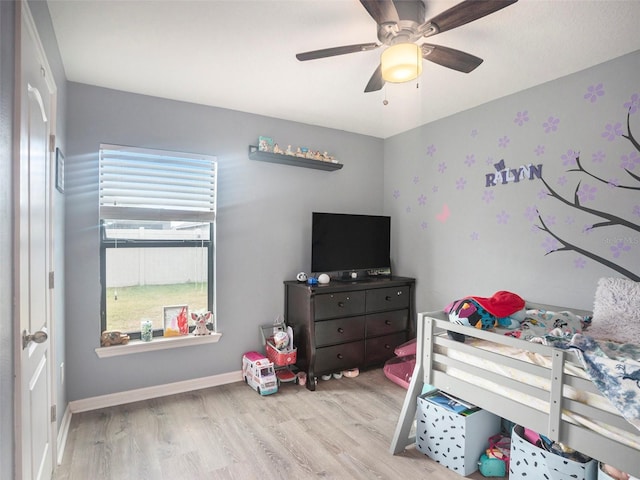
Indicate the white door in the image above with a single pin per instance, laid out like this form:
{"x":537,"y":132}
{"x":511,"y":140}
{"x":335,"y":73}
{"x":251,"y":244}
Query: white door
{"x":35,"y":431}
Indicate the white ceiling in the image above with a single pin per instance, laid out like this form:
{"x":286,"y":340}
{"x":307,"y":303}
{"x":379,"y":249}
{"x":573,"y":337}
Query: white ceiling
{"x":240,"y":55}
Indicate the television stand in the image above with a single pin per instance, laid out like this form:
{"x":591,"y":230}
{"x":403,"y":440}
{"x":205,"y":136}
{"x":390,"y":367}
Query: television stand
{"x":348,"y":324}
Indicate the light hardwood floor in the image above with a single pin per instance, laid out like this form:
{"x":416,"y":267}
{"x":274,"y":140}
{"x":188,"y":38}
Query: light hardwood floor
{"x":342,"y":430}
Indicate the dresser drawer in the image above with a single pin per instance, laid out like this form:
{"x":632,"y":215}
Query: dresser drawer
{"x":381,"y":349}
{"x":339,"y":357}
{"x":339,"y":330}
{"x":331,"y":305}
{"x":384,"y":323}
{"x":391,"y":298}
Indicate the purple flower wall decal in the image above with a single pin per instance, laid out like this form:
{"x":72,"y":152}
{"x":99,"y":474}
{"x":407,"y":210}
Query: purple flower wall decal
{"x":461,"y":183}
{"x":550,"y":244}
{"x":521,"y":118}
{"x":598,"y":157}
{"x":424,"y":225}
{"x":422,"y":200}
{"x":442,"y":167}
{"x":629,"y":162}
{"x":587,"y":193}
{"x":619,"y":248}
{"x":550,"y":220}
{"x":580,"y":262}
{"x":431,"y":149}
{"x":488,"y":196}
{"x":531,"y":213}
{"x":503,"y":142}
{"x":613,"y":182}
{"x":636,"y":210}
{"x":434,"y":189}
{"x":569,"y":221}
{"x":416,"y":179}
{"x":612,"y":131}
{"x":593,"y":92}
{"x":539,"y":150}
{"x":634,"y":105}
{"x":562,"y":180}
{"x":551,"y":125}
{"x":503,"y":217}
{"x":474,"y":132}
{"x":396,"y":194}
{"x":470,"y":160}
{"x":569,"y":158}
{"x":474,"y":236}
{"x":542,"y":194}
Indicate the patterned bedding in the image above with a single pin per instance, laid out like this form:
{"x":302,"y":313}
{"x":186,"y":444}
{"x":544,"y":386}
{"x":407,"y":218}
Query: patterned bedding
{"x":613,"y":368}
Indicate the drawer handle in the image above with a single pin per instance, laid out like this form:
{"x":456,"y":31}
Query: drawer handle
{"x":340,"y":356}
{"x":387,"y":298}
{"x":340,"y":330}
{"x":341,"y":304}
{"x":387,"y":322}
{"x":387,"y":346}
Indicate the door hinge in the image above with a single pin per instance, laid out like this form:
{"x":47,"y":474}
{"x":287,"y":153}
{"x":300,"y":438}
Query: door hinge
{"x":54,"y":412}
{"x":52,"y":143}
{"x":51,"y":282}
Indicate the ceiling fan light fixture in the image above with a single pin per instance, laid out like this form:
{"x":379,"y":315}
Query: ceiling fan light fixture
{"x":401,"y":63}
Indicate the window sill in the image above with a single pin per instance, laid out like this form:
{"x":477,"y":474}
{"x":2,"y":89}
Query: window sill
{"x":158,"y":343}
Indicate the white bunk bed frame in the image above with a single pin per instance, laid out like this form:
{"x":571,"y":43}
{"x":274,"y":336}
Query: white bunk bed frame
{"x":429,"y":370}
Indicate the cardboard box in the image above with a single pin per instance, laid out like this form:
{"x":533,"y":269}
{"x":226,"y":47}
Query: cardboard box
{"x":452,"y":439}
{"x":529,"y":461}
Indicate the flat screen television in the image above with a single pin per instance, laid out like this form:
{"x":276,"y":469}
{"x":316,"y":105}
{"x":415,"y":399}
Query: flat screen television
{"x":350,"y":246}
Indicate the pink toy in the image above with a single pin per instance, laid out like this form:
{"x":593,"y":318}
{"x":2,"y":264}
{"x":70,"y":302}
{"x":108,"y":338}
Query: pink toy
{"x":201,"y":323}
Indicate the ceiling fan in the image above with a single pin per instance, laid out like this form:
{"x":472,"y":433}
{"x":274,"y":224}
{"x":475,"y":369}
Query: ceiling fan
{"x":403,"y":22}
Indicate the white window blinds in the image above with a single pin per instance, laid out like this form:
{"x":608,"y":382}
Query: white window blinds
{"x":142,"y":184}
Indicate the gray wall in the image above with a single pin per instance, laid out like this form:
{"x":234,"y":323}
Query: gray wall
{"x":490,"y":239}
{"x":263,"y":223}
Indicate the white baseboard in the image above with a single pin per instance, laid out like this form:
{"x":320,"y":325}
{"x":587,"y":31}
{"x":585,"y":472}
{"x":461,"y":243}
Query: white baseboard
{"x":120,"y":398}
{"x":63,"y":433}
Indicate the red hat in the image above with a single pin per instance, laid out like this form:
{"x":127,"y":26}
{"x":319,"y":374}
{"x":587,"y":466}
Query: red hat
{"x":501,"y":304}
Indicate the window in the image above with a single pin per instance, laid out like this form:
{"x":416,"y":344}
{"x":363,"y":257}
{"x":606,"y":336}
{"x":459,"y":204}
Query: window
{"x":157,"y":235}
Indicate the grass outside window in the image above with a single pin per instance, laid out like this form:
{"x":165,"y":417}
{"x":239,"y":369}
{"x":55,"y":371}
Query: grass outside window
{"x":127,"y":306}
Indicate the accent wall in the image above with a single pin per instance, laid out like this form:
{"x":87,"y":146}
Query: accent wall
{"x":537,"y":193}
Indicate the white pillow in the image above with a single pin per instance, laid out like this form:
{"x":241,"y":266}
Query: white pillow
{"x":616,"y":311}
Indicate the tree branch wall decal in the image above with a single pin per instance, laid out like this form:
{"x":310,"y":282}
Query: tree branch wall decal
{"x":610,"y":220}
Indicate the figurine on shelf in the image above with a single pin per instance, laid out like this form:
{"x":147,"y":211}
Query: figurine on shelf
{"x":265,"y":144}
{"x":309,"y":154}
{"x":277,"y":149}
{"x":299,"y":152}
{"x":289,"y":150}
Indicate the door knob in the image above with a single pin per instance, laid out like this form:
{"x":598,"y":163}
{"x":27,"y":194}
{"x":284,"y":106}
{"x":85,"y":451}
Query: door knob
{"x":37,"y":337}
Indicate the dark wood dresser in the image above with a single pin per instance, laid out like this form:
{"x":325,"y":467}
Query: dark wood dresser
{"x":344,"y":325}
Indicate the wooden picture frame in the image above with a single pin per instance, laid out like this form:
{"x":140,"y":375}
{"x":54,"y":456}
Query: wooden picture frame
{"x":59,"y":170}
{"x":176,"y":320}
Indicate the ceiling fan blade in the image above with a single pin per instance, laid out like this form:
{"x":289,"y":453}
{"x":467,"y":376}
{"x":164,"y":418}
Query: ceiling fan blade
{"x":465,"y":12}
{"x":332,"y":52}
{"x":382,"y":11}
{"x":376,"y":81}
{"x":450,"y":58}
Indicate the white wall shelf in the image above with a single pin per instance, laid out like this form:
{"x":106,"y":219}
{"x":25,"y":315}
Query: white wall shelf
{"x":255,"y":154}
